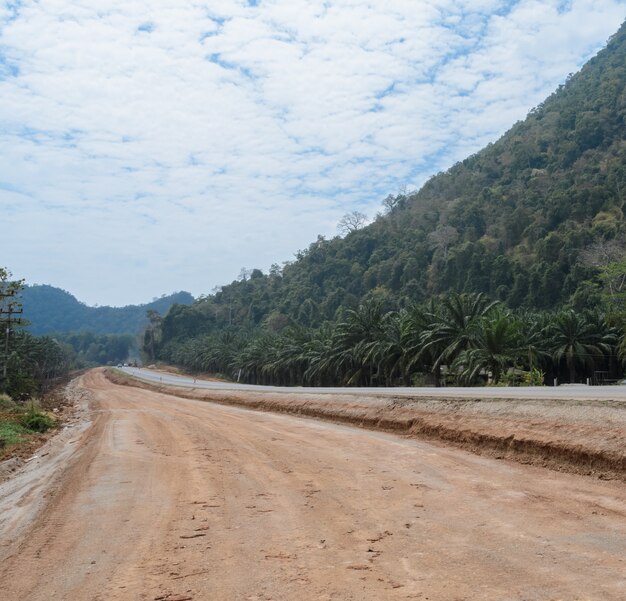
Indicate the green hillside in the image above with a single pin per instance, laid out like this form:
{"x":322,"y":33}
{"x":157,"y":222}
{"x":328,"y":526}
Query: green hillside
{"x":534,"y":220}
{"x":50,"y":309}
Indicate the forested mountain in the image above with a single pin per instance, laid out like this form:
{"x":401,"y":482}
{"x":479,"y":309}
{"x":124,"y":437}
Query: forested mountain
{"x":533,"y":223}
{"x":512,"y":221}
{"x":52,"y":310}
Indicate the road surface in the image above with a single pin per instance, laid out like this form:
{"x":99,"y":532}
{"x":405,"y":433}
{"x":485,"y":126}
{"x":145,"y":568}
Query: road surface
{"x":576,"y":391}
{"x":172,"y":499}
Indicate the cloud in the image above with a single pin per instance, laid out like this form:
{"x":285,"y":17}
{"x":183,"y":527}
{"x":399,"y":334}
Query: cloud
{"x":147,"y":147}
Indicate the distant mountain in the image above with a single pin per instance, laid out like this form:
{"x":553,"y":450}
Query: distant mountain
{"x":51,"y":309}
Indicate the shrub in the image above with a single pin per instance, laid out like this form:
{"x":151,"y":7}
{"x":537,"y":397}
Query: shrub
{"x":534,"y":377}
{"x":7,"y":404}
{"x":36,"y":420}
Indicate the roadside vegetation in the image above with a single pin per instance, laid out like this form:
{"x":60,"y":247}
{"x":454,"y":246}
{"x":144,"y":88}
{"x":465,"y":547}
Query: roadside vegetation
{"x":462,"y":339}
{"x":19,"y":422}
{"x":33,"y":367}
{"x":36,"y":368}
{"x":29,"y":367}
{"x":34,"y":363}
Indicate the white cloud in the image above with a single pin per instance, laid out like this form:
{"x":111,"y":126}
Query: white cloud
{"x":147,"y":147}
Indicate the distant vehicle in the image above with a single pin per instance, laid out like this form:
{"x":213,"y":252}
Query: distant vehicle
{"x":119,"y":365}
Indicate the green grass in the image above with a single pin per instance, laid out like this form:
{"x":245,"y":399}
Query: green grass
{"x":18,"y":423}
{"x":11,"y":433}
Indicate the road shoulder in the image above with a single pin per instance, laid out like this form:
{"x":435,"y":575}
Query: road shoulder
{"x":576,"y":436}
{"x":28,"y":485}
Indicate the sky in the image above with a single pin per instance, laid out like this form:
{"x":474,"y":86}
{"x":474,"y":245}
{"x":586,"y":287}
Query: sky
{"x":153,"y":146}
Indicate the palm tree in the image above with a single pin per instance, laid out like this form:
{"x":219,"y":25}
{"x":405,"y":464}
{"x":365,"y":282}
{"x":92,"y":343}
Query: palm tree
{"x":387,"y":351}
{"x":453,"y":327}
{"x":253,"y":359}
{"x":535,"y":339}
{"x":496,"y":348}
{"x":322,"y":357}
{"x":417,"y":321}
{"x":580,"y":339}
{"x":354,"y":337}
{"x":219,"y":353}
{"x":289,"y":361}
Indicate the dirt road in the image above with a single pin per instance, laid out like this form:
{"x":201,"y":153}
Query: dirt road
{"x":173,"y":499}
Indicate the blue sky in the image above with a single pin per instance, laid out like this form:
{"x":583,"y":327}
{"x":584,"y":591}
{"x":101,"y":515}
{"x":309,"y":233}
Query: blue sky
{"x":147,"y":147}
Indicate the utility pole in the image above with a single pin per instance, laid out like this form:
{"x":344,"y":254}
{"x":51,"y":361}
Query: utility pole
{"x":6,"y":319}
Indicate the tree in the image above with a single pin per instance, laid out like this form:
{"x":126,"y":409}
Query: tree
{"x":608,"y":257}
{"x":351,"y":222}
{"x":391,"y":203}
{"x":442,"y":238}
{"x":244,"y":274}
{"x":355,"y":338}
{"x":9,"y":307}
{"x":387,"y":351}
{"x":152,"y":335}
{"x":454,"y":327}
{"x":579,"y":340}
{"x":496,"y":347}
{"x":30,"y":362}
{"x":8,"y":286}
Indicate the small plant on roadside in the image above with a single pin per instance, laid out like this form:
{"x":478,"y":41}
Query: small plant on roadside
{"x":10,"y":433}
{"x":534,"y":377}
{"x":36,"y":420}
{"x":7,"y":404}
{"x":511,"y":377}
{"x":420,"y":380}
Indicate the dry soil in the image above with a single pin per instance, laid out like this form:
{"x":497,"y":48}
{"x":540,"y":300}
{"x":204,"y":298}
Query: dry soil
{"x":155,"y":497}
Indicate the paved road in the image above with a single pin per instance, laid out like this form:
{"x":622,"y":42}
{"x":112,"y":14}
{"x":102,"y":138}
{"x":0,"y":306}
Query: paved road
{"x":169,"y":498}
{"x":539,"y":392}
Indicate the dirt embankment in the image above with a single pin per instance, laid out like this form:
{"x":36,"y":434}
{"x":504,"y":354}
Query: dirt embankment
{"x":62,"y":402}
{"x":584,"y":437}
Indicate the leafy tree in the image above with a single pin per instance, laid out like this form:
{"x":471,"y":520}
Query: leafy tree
{"x":29,"y":363}
{"x":576,"y":339}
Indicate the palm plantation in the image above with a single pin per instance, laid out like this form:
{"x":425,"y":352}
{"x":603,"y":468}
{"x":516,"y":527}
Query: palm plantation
{"x":462,"y":339}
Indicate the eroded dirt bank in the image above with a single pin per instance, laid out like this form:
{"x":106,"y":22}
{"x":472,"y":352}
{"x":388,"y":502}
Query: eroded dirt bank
{"x":169,"y":498}
{"x":579,"y":436}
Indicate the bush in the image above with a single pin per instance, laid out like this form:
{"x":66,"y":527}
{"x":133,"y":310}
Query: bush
{"x":421,"y":380}
{"x":36,"y":420}
{"x":534,"y":377}
{"x":7,"y":404}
